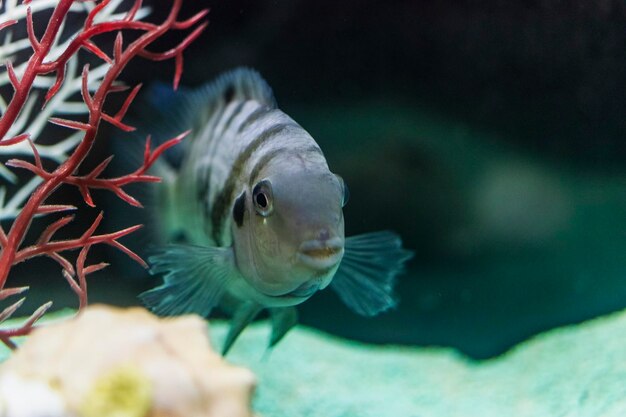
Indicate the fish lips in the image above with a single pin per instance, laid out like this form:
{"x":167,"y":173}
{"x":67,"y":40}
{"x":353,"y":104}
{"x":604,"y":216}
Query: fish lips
{"x":321,"y":255}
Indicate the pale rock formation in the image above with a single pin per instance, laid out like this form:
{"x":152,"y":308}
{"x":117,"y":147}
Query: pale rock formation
{"x":123,"y":363}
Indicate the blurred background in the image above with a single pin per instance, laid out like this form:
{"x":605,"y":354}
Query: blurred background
{"x":489,"y":134}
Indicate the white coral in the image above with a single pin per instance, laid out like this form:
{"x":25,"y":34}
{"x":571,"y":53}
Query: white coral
{"x":66,"y":101}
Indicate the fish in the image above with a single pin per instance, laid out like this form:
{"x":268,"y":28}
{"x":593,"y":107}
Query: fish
{"x":249,"y":216}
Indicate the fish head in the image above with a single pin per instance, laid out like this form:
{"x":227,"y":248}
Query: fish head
{"x":293,"y":240}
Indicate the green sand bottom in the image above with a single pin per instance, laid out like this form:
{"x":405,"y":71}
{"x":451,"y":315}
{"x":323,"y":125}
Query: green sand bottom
{"x":572,"y":371}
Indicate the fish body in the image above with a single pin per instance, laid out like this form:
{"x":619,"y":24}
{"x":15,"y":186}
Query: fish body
{"x":260,"y":214}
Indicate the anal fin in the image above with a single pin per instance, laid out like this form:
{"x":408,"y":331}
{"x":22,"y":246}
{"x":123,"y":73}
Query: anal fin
{"x":243,"y":316}
{"x":283,"y":319}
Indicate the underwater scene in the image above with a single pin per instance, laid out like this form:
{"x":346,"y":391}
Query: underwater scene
{"x":312,"y":208}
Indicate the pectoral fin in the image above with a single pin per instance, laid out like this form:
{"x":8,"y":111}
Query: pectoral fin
{"x":243,"y":316}
{"x":366,"y":276}
{"x":194,"y":279}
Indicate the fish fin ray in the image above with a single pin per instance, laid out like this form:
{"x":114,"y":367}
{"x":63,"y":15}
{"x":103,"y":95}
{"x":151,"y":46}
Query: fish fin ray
{"x":194,"y":279}
{"x":243,"y":316}
{"x":366,"y":276}
{"x":239,"y":84}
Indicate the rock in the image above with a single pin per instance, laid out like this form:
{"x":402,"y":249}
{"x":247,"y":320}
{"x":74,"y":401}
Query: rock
{"x":123,"y":363}
{"x":578,"y":370}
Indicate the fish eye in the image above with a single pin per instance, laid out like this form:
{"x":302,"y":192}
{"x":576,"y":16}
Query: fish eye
{"x":344,"y":188}
{"x":262,"y":198}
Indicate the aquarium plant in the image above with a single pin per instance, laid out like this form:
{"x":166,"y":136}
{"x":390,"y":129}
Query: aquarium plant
{"x":49,"y":77}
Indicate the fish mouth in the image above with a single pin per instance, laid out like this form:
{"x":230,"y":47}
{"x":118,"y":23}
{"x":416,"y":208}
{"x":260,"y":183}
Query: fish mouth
{"x":321,"y":255}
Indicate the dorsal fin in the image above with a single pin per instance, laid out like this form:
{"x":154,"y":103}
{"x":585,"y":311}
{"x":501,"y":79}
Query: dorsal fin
{"x":240,"y":84}
{"x":167,"y":112}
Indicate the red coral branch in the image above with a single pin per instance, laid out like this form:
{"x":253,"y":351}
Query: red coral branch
{"x":20,"y":95}
{"x":7,"y":23}
{"x":3,"y":243}
{"x":12,"y":251}
{"x":30,"y":29}
{"x":176,"y":52}
{"x":93,"y":48}
{"x":54,"y":208}
{"x":9,"y":292}
{"x":15,"y":139}
{"x":92,"y":181}
{"x":52,"y":248}
{"x":117,"y":119}
{"x":15,"y":83}
{"x":7,"y":334}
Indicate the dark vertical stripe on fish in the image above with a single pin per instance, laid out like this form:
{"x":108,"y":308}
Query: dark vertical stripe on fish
{"x":235,"y":113}
{"x":211,"y":125}
{"x":202,"y":191}
{"x":217,"y":112}
{"x":253,"y":117}
{"x":225,"y":196}
{"x":265,"y":159}
{"x":229,"y":93}
{"x":239,"y":209}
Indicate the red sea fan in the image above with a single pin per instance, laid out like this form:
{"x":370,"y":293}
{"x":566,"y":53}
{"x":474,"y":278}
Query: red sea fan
{"x":52,"y":66}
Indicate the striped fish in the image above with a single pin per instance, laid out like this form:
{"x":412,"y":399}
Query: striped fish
{"x":260,"y":214}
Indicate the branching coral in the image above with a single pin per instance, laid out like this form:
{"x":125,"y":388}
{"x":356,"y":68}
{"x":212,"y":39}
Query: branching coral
{"x":61,"y":103}
{"x":52,"y":66}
